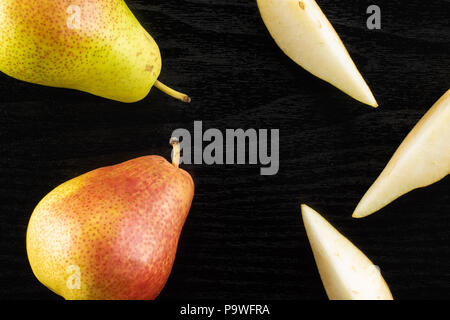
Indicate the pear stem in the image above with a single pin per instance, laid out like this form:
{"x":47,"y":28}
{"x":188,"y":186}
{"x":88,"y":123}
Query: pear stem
{"x":173,"y":93}
{"x":175,"y":143}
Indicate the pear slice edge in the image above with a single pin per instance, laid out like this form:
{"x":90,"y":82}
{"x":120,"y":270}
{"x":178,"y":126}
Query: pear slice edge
{"x":319,"y":49}
{"x":423,"y":158}
{"x":346,"y":272}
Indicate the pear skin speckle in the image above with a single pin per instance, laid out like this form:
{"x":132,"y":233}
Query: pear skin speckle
{"x":119,"y":225}
{"x":93,"y":46}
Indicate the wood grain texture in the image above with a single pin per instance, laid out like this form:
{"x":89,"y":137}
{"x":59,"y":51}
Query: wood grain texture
{"x":244,"y":237}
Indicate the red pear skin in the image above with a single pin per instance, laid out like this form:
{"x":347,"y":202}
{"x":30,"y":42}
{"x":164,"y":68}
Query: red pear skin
{"x":120,"y":225}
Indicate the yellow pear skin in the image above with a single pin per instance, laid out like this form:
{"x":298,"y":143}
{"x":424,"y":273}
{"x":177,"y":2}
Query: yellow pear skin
{"x":304,"y":33}
{"x":423,"y":158}
{"x":346,"y":273}
{"x":93,"y":46}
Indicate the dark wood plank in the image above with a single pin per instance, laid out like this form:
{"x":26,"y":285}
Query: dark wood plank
{"x":244,"y":237}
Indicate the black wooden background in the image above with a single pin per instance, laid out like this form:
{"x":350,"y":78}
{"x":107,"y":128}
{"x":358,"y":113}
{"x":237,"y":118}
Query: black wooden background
{"x":244,"y":237}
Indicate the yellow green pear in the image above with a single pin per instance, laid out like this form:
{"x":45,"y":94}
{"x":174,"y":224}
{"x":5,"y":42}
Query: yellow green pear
{"x":423,"y":158}
{"x":93,"y":46}
{"x":304,"y":33}
{"x":346,"y":272}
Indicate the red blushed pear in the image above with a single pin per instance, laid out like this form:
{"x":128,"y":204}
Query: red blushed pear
{"x":111,"y":233}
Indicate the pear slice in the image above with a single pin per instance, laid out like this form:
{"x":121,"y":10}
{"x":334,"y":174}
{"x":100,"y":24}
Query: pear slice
{"x":304,"y":33}
{"x":422,"y":159}
{"x":346,"y":273}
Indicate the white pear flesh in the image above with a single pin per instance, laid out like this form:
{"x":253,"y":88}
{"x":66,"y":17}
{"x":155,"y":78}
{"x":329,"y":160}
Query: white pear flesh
{"x":304,"y":33}
{"x":423,"y":158}
{"x":346,"y":273}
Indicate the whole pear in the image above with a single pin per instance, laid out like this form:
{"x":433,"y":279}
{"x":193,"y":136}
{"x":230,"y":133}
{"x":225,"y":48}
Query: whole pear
{"x":96,"y":46}
{"x":111,"y":233}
